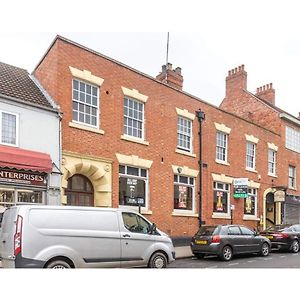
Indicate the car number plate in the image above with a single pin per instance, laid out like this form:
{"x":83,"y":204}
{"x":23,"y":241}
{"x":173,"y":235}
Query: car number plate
{"x":269,"y":237}
{"x":201,"y":242}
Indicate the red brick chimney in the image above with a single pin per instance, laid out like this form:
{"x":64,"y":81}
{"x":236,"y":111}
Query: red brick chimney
{"x":236,"y":80}
{"x":171,"y":77}
{"x":266,"y":93}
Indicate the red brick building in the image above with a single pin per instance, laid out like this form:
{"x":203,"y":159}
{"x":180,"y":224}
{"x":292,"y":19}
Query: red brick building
{"x":129,"y":138}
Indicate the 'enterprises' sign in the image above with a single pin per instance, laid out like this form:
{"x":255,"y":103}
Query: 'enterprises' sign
{"x":22,"y":178}
{"x":240,"y":187}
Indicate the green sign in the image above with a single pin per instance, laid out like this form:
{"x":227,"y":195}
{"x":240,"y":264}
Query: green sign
{"x":240,"y":189}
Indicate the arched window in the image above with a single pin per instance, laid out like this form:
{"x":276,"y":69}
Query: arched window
{"x":80,"y":191}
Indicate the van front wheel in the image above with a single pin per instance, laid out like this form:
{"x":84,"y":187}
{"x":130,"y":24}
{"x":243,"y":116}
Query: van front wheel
{"x":158,"y":261}
{"x":58,"y":264}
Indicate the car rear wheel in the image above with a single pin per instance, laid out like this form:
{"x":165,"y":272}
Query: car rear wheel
{"x":226,"y":254}
{"x":295,"y":246}
{"x":158,"y":261}
{"x":199,"y":255}
{"x":58,"y":264}
{"x":265,"y":249}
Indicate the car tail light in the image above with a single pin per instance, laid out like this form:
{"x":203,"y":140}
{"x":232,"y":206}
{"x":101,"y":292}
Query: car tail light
{"x":216,"y":239}
{"x":18,"y":236}
{"x":281,"y":235}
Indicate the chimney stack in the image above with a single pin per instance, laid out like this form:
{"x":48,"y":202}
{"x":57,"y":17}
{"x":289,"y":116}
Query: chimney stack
{"x":171,"y":77}
{"x":236,"y":80}
{"x":267,"y":93}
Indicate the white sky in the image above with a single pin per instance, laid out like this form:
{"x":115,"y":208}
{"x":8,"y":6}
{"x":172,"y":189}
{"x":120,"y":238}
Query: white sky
{"x":206,"y":40}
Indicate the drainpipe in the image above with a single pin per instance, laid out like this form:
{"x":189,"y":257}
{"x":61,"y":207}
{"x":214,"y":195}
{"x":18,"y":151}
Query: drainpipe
{"x":201,"y":117}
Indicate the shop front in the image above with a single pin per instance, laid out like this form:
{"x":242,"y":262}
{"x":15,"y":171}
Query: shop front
{"x":23,"y":176}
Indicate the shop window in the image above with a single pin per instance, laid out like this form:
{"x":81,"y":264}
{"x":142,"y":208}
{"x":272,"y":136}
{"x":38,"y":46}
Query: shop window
{"x":184,"y":187}
{"x":8,"y":128}
{"x":12,"y":197}
{"x":221,"y":198}
{"x":7,"y":197}
{"x":133,"y":186}
{"x":250,"y":203}
{"x":85,"y":103}
{"x":79,"y":191}
{"x":30,"y":197}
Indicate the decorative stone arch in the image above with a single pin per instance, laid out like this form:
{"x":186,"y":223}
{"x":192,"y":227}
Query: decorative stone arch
{"x":98,"y":171}
{"x":266,"y":192}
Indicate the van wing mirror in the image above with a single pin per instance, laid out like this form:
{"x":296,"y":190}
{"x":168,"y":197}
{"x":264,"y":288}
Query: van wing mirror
{"x":152,"y":228}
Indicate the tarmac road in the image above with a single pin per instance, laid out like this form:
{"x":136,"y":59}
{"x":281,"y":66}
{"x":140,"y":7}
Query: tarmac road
{"x":274,"y":260}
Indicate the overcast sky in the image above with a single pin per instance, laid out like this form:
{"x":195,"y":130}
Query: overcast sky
{"x":205,"y":42}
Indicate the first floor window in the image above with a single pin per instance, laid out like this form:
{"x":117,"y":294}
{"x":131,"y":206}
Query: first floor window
{"x":133,"y":186}
{"x":271,"y":162}
{"x":184,"y":134}
{"x":8,"y":128}
{"x":250,"y":156}
{"x":292,"y":177}
{"x":221,"y":198}
{"x":184,"y":187}
{"x":221,"y":146}
{"x":85,"y":103}
{"x":250,"y":202}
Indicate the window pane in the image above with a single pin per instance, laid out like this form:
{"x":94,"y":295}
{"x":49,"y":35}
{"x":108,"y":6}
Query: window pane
{"x":183,"y":197}
{"x":132,"y":171}
{"x":132,"y":191}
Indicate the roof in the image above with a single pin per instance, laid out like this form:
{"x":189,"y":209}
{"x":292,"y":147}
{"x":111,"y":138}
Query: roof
{"x":16,"y":83}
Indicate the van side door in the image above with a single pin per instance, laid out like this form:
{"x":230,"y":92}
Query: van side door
{"x":136,"y":239}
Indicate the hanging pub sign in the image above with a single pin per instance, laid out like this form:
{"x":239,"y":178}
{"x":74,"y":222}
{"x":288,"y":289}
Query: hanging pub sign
{"x":240,"y":187}
{"x":8,"y":176}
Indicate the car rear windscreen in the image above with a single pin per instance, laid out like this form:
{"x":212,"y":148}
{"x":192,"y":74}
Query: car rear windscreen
{"x":207,"y":230}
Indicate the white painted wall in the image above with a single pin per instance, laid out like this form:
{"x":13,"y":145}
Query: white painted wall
{"x":38,"y":130}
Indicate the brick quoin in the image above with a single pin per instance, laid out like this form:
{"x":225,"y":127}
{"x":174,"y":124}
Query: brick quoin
{"x":161,"y":132}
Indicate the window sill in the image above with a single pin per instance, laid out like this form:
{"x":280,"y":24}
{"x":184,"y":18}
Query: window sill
{"x":292,"y":188}
{"x":251,"y":170}
{"x":144,"y":211}
{"x":185,"y":153}
{"x":184,"y":214}
{"x":84,"y":127}
{"x":272,"y":175}
{"x":134,"y":140}
{"x":250,"y":218}
{"x":221,"y":162}
{"x":221,"y":216}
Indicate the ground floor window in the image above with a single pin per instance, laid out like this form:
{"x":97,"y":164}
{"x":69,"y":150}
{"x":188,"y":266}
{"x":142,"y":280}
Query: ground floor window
{"x":184,"y":187}
{"x":221,"y":197}
{"x":250,"y":203}
{"x":80,"y":191}
{"x":13,"y":196}
{"x":133,"y":186}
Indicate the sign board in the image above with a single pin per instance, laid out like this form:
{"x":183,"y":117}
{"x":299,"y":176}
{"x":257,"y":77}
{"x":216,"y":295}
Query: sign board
{"x":279,"y":196}
{"x":8,"y":176}
{"x":240,"y":187}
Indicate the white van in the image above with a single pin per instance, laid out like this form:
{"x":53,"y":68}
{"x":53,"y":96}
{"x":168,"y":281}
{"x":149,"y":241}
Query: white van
{"x":36,"y":236}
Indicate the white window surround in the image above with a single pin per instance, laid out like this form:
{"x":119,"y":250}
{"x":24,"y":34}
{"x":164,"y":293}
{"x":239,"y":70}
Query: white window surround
{"x":223,"y":128}
{"x":221,"y":162}
{"x":17,"y":128}
{"x":272,"y":147}
{"x":85,"y":127}
{"x":179,"y":151}
{"x":130,"y":138}
{"x":251,"y":138}
{"x":86,"y":76}
{"x":135,"y":94}
{"x":185,"y":171}
{"x":185,"y":113}
{"x":222,"y":178}
{"x":134,"y":160}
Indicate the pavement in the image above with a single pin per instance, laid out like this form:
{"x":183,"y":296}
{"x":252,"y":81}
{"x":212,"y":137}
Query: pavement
{"x":183,"y":252}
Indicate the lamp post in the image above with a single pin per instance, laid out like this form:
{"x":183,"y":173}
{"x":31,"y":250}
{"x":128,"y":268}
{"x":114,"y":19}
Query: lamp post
{"x":201,"y":117}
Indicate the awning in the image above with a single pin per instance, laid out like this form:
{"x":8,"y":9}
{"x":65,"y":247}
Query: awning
{"x":12,"y":157}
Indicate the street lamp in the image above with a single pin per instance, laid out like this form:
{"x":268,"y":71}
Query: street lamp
{"x":201,"y":117}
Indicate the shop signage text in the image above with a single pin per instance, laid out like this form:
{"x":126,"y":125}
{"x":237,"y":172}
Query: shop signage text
{"x":240,"y":188}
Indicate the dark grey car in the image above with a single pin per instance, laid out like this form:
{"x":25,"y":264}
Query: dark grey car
{"x":228,"y":240}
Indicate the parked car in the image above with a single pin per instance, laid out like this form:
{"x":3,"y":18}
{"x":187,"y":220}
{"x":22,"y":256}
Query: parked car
{"x":37,"y":236}
{"x":227,"y":241}
{"x":284,"y":237}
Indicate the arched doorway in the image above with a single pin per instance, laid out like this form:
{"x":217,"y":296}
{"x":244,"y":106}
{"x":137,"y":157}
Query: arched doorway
{"x":80,"y":191}
{"x":270,"y":210}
